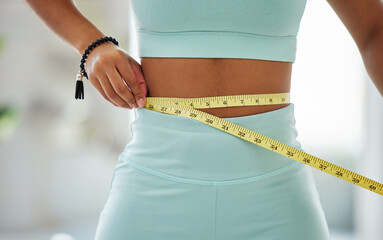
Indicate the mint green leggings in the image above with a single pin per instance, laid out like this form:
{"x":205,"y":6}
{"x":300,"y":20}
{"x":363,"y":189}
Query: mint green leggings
{"x":179,"y":179}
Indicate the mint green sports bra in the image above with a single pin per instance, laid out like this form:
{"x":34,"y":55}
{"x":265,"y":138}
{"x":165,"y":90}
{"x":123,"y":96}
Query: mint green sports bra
{"x":251,"y":29}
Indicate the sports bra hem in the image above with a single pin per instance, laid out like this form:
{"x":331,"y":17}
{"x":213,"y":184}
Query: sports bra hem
{"x":210,"y":32}
{"x":216,"y":44}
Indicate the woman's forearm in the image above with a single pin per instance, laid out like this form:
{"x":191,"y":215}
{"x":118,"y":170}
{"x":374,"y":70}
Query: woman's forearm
{"x":64,"y":19}
{"x":372,"y":56}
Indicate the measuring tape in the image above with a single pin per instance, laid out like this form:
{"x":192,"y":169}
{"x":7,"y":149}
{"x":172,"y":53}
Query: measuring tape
{"x":185,"y":107}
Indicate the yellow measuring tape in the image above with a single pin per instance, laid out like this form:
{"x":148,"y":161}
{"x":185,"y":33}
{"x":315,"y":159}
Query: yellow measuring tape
{"x":185,"y":107}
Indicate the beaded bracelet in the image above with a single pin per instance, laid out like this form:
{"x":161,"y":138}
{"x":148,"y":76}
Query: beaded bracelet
{"x":79,"y":94}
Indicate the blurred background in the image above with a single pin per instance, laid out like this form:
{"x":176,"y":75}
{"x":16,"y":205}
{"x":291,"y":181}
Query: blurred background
{"x":57,"y":153}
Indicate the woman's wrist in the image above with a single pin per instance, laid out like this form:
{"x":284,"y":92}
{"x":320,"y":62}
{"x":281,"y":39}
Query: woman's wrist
{"x":84,"y":41}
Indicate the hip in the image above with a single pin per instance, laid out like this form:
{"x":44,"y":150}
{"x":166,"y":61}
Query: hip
{"x":179,"y":178}
{"x":185,"y":148}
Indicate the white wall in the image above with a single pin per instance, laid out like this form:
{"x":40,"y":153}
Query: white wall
{"x":56,"y":167}
{"x":368,"y":205}
{"x":328,"y":86}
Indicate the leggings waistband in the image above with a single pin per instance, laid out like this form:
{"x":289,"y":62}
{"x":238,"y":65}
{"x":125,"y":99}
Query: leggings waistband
{"x":185,"y":149}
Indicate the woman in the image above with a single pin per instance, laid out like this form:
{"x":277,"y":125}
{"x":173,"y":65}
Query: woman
{"x":181,"y":179}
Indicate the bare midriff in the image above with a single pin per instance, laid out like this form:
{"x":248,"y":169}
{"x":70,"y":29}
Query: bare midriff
{"x":209,"y":77}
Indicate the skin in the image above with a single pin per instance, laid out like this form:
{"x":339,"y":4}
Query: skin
{"x":122,"y":81}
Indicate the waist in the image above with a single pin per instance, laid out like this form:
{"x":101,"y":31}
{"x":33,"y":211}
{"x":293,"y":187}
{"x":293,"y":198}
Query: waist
{"x":209,"y":77}
{"x":186,"y":148}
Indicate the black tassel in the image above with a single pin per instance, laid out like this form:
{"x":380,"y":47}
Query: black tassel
{"x":79,"y":94}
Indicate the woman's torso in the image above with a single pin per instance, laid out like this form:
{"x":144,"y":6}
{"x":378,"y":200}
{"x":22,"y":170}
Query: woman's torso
{"x":208,"y":77}
{"x":218,"y":47}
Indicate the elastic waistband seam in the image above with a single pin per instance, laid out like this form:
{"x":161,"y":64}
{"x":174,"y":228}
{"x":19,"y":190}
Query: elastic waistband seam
{"x":207,"y":182}
{"x":262,"y":120}
{"x":227,"y":33}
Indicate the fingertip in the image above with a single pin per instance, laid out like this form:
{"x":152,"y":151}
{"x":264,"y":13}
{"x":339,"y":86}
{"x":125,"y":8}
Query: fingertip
{"x":141,"y":102}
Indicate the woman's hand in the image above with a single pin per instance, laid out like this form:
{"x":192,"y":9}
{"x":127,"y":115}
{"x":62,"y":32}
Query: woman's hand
{"x":116,"y":75}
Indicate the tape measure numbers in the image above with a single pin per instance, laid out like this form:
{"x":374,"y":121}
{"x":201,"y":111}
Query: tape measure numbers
{"x":185,"y":107}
